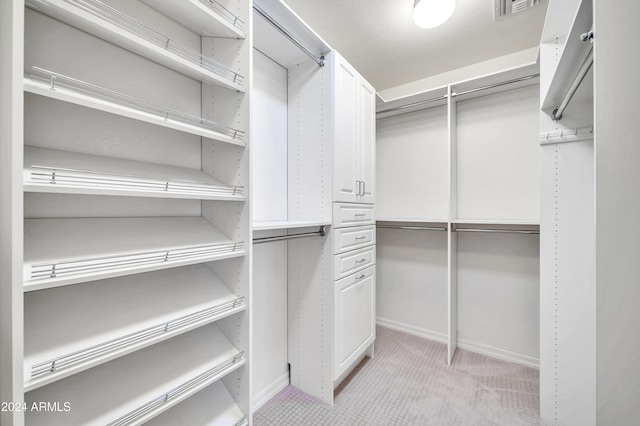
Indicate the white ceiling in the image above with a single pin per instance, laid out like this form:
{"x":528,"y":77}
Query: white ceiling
{"x":379,"y":38}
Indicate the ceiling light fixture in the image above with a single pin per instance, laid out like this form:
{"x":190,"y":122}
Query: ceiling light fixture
{"x":429,"y":14}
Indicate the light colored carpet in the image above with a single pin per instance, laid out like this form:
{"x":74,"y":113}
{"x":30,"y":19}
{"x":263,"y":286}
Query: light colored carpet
{"x":408,"y":383}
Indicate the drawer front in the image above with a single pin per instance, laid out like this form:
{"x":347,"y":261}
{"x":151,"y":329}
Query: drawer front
{"x":346,"y":239}
{"x":347,"y":263}
{"x":354,"y":318}
{"x":352,"y":215}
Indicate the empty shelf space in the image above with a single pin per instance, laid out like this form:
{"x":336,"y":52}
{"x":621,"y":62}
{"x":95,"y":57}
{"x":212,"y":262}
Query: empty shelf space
{"x":285,"y":224}
{"x":135,"y":388}
{"x":213,"y":406}
{"x":72,"y":328}
{"x":64,"y":88}
{"x":206,"y":17}
{"x":47,"y":170}
{"x":114,"y":26}
{"x":67,"y":251}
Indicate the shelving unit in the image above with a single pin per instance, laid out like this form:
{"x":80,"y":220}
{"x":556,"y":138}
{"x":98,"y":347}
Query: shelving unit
{"x":569,"y":263}
{"x":99,"y":396}
{"x":461,"y":161}
{"x":131,"y":260}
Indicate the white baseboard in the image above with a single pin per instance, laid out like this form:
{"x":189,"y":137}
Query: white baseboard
{"x":499,"y":353}
{"x":480,"y":348}
{"x":412,"y":329}
{"x":270,"y":391}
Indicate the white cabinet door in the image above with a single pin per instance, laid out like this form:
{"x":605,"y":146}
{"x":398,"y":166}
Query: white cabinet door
{"x":367,"y":141}
{"x":354,"y":325}
{"x":346,"y":155}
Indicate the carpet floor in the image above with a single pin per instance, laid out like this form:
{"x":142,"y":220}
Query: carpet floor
{"x":408,"y":383}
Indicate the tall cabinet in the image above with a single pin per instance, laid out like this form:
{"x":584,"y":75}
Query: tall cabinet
{"x":353,"y":217}
{"x":129,"y":281}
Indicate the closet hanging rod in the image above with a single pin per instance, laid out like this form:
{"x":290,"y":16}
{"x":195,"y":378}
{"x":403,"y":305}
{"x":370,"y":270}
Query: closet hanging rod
{"x":494,"y":85}
{"x":582,"y":72}
{"x":499,"y":231}
{"x":413,"y":228}
{"x":320,"y":233}
{"x":317,"y":58}
{"x":413,"y":104}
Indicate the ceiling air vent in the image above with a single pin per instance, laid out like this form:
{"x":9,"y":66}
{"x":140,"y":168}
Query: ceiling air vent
{"x":504,"y":8}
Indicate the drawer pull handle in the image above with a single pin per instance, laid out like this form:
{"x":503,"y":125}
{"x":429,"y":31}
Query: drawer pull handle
{"x":360,"y":238}
{"x":361,"y":260}
{"x":360,"y":277}
{"x":360,"y":214}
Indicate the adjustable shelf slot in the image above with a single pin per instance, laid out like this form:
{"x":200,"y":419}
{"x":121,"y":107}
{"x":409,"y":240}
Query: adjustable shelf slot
{"x":72,"y":328}
{"x":57,"y":86}
{"x":47,"y":170}
{"x":68,"y":251}
{"x":139,"y":386}
{"x":107,"y":23}
{"x":206,"y":17}
{"x":213,"y":406}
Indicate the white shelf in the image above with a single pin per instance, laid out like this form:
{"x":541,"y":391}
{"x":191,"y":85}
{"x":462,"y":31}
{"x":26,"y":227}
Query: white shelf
{"x":284,"y":224}
{"x":72,"y":328}
{"x":54,"y":171}
{"x":78,"y":92}
{"x":213,"y":406}
{"x":68,"y":251}
{"x":574,"y":52}
{"x":135,"y":388}
{"x":206,"y":17}
{"x":113,"y":26}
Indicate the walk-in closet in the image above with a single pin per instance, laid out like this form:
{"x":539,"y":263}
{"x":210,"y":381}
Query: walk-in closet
{"x":283,"y":212}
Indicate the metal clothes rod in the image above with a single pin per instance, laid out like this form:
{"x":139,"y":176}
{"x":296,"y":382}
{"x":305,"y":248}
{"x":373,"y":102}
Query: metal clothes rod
{"x":317,"y":58}
{"x":584,"y":69}
{"x":465,"y":92}
{"x":414,"y":228}
{"x":319,"y":233}
{"x":414,"y":104}
{"x":498,"y":231}
{"x":491,"y":86}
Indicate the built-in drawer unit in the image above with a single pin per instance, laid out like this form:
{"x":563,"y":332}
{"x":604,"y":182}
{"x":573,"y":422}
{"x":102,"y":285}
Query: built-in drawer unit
{"x":346,"y":239}
{"x":353,"y":261}
{"x":352,"y":215}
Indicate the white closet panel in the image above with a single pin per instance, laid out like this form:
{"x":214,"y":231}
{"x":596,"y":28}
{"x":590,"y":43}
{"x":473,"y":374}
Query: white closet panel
{"x":270,"y":140}
{"x":498,"y":156}
{"x":498,"y":294}
{"x":71,"y":328}
{"x":412,"y":281}
{"x":137,"y":387}
{"x":270,"y":363}
{"x":412,"y":166}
